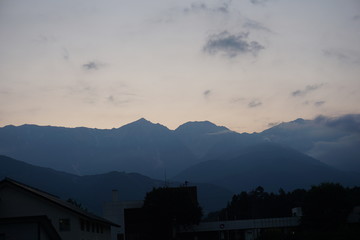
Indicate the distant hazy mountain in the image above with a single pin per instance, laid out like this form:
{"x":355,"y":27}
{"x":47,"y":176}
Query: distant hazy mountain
{"x":92,"y":191}
{"x":141,"y":146}
{"x":269,"y":165}
{"x":154,"y":150}
{"x":335,"y":141}
{"x":206,"y":140}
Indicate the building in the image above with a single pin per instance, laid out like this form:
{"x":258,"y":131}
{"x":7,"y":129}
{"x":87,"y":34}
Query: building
{"x":115,"y":212}
{"x":144,"y":223}
{"x":24,"y":207}
{"x":138,"y":225}
{"x":249,"y":229}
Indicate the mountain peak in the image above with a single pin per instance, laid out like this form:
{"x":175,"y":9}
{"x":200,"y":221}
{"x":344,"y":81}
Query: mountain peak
{"x":140,"y":122}
{"x":143,"y":123}
{"x":299,"y":121}
{"x":203,"y":127}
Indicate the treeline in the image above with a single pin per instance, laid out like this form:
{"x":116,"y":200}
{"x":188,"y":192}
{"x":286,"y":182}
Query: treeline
{"x":326,"y":209}
{"x":259,"y":204}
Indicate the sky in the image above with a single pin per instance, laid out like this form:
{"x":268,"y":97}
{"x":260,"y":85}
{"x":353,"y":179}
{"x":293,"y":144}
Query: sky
{"x":243,"y":64}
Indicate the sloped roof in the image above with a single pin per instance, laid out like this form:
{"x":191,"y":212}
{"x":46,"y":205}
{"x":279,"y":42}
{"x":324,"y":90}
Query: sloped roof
{"x":56,"y":200}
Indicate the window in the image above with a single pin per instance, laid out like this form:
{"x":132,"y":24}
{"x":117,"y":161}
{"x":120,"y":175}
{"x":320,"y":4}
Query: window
{"x":64,"y":224}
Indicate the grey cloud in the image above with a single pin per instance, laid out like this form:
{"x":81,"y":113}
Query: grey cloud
{"x":346,"y":56}
{"x":66,"y":55}
{"x":335,"y":54}
{"x":231,"y":45}
{"x":45,"y":39}
{"x":273,"y":124}
{"x":251,"y":24}
{"x":195,"y":7}
{"x":118,"y":100}
{"x":202,"y":7}
{"x":258,"y":2}
{"x":349,"y":122}
{"x":342,"y":148}
{"x":221,"y":132}
{"x":343,"y":153}
{"x":314,"y":103}
{"x":237,"y":100}
{"x":306,"y":90}
{"x":92,"y":65}
{"x":111,"y":98}
{"x":319,"y":103}
{"x":5,"y":92}
{"x":356,"y":17}
{"x":254,"y":103}
{"x":207,"y":93}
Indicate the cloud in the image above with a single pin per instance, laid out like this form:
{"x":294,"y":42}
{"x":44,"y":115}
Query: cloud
{"x":341,"y":55}
{"x":66,"y":55}
{"x":202,"y":7}
{"x":335,"y":54}
{"x":116,"y":101}
{"x":273,"y":124}
{"x":207,"y":93}
{"x":5,"y":92}
{"x":111,"y":98}
{"x":254,"y":103}
{"x":356,"y":17}
{"x":196,"y":7}
{"x":319,"y":103}
{"x":343,"y":153}
{"x":237,"y":100}
{"x":258,"y":2}
{"x":306,"y":90}
{"x":92,"y":65}
{"x":221,"y":132}
{"x":231,"y":45}
{"x":349,"y":122}
{"x":342,"y":148}
{"x":251,"y":24}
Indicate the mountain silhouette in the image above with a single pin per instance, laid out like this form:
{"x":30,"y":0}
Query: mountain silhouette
{"x":269,"y":165}
{"x":141,"y":146}
{"x":92,"y":191}
{"x":206,"y":140}
{"x":334,"y":141}
{"x":154,"y":150}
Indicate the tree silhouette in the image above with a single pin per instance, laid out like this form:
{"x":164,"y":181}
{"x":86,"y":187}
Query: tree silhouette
{"x":326,"y":206}
{"x":167,"y":208}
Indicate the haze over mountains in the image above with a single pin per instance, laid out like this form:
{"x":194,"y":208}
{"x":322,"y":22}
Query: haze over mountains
{"x":92,"y":191}
{"x":290,"y":155}
{"x":154,"y":150}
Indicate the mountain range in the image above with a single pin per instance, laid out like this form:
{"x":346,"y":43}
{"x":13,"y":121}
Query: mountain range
{"x":268,"y":165}
{"x":289,"y":155}
{"x":92,"y":191}
{"x":154,"y":150}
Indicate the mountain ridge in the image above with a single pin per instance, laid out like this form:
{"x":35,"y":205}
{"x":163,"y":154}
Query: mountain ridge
{"x":153,"y":149}
{"x":92,"y":191}
{"x":269,"y":165}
